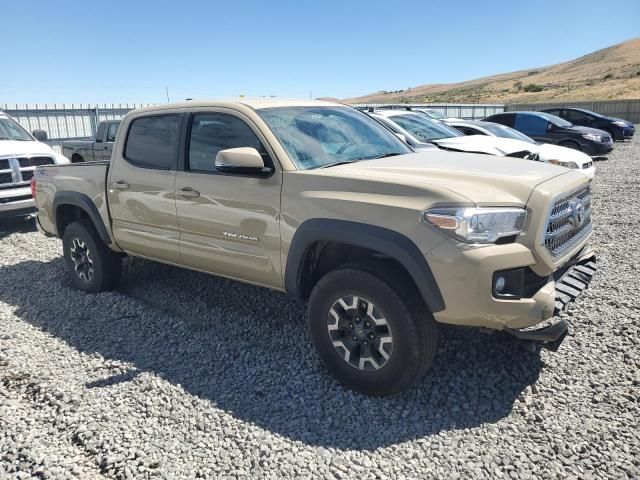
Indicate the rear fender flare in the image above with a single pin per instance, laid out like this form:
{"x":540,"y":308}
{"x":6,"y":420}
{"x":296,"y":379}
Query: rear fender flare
{"x":85,"y":203}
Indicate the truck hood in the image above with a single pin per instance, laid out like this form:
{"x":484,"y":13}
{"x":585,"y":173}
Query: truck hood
{"x":13,"y":148}
{"x":486,"y":144}
{"x":482,"y":179}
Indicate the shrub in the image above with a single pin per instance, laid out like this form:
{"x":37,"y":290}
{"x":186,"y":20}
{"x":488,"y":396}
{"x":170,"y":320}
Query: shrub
{"x":533,"y":87}
{"x":518,"y":86}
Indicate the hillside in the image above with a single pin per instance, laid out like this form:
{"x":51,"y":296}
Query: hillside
{"x":610,"y":73}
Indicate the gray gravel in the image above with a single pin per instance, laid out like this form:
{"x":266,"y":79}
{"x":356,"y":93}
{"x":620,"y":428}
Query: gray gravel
{"x":183,"y":375}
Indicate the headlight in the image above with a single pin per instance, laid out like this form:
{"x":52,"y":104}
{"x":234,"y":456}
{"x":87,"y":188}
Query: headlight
{"x":564,"y":164}
{"x":477,"y":225}
{"x":592,"y":136}
{"x":620,"y":124}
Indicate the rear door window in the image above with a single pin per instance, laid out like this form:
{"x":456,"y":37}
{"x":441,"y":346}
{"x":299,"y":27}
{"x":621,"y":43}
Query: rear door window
{"x":152,"y":142}
{"x":531,"y":124}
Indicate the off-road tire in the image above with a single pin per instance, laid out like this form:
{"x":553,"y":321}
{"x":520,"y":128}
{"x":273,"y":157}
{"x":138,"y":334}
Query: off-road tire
{"x":106,"y":265}
{"x":413,"y":329}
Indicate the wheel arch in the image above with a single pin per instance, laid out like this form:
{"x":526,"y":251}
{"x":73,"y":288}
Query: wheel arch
{"x":316,"y":235}
{"x":69,"y":206}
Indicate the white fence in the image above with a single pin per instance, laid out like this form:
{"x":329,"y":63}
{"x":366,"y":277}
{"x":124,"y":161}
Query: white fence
{"x":79,"y":121}
{"x":467,"y":111}
{"x":66,"y":121}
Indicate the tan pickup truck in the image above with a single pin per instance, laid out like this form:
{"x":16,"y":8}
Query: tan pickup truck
{"x":321,"y":201}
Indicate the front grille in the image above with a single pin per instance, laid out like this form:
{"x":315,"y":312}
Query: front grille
{"x":34,"y":161}
{"x":4,"y":164}
{"x":569,"y":221}
{"x":27,"y":175}
{"x":6,"y":177}
{"x":587,"y":165}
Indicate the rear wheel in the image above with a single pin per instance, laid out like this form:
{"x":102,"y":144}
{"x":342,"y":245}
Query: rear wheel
{"x":91,"y":265}
{"x":369,"y":337}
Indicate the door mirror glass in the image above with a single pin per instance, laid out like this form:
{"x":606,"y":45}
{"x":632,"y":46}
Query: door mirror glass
{"x":40,"y":135}
{"x":550,"y":126}
{"x":241,"y":161}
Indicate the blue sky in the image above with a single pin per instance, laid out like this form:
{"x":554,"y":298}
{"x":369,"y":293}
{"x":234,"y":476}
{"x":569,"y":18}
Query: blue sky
{"x":129,"y":51}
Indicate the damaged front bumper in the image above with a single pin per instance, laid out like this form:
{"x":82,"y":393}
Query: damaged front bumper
{"x":570,"y":281}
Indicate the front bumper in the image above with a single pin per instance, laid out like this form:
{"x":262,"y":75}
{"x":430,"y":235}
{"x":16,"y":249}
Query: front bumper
{"x":465,"y":280}
{"x":570,"y":282}
{"x":595,"y":149}
{"x":627,"y":132}
{"x":16,"y":202}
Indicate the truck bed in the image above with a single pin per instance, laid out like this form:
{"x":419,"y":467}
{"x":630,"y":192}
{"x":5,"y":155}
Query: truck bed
{"x":86,"y":182}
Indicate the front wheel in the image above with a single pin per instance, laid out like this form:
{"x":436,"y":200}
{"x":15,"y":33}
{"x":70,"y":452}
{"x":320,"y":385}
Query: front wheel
{"x":571,"y":144}
{"x":91,"y":265}
{"x":369,"y":337}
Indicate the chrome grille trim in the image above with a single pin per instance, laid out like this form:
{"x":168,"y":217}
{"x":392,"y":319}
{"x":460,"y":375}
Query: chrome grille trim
{"x":16,"y":170}
{"x":563,"y":231}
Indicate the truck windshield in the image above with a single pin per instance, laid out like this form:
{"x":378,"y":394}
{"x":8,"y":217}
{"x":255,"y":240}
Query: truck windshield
{"x":424,"y":129}
{"x":316,"y":137}
{"x":11,"y":130}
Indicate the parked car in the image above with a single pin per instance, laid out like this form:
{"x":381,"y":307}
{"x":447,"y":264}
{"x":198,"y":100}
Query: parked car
{"x":432,"y":114}
{"x":617,"y":128}
{"x":565,"y":157}
{"x":422,"y":134}
{"x":547,"y":128}
{"x":321,"y":201}
{"x":98,"y":148}
{"x":20,"y":153}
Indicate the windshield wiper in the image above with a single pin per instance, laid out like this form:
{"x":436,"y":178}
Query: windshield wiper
{"x":335,"y":164}
{"x":382,"y":155}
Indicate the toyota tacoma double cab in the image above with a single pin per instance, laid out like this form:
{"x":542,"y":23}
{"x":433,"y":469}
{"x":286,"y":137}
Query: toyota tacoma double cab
{"x":95,"y":149}
{"x":323,"y":202}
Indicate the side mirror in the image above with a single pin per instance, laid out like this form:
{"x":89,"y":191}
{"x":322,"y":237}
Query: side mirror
{"x":241,"y":161}
{"x":550,"y":126}
{"x":40,"y":135}
{"x":402,"y":137}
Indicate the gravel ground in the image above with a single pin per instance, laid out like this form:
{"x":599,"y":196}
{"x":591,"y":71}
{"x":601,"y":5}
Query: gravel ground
{"x":183,"y":375}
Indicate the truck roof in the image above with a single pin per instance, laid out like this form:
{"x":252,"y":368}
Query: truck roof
{"x":257,"y":103}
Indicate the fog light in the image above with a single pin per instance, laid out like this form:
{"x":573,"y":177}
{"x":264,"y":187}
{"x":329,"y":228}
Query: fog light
{"x":501,"y":282}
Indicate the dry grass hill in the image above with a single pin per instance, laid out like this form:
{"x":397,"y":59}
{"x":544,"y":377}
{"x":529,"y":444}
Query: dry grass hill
{"x":610,"y":73}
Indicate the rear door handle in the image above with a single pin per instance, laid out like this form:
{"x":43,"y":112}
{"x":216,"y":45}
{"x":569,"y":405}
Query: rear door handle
{"x":120,"y":185}
{"x":188,"y":192}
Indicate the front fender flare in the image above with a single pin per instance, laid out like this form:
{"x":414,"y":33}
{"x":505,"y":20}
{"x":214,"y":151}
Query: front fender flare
{"x":379,"y":239}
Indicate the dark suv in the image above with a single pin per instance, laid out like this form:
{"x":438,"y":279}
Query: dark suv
{"x":547,"y":128}
{"x":618,"y":128}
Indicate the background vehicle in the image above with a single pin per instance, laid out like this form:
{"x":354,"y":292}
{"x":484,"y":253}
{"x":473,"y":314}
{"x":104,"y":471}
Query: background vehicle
{"x":321,"y":201}
{"x":20,"y":153}
{"x":432,"y":114}
{"x":423,"y":134}
{"x":98,"y":148}
{"x":547,"y":128}
{"x":565,"y":157}
{"x":617,"y":128}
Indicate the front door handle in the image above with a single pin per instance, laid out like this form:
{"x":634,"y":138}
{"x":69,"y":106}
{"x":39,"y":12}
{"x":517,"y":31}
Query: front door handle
{"x":120,"y":185}
{"x":188,"y":192}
